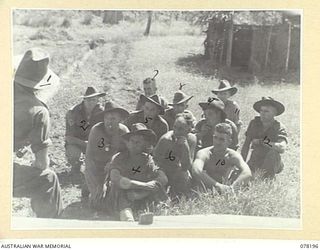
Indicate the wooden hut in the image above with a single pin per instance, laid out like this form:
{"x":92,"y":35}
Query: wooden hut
{"x":255,"y":41}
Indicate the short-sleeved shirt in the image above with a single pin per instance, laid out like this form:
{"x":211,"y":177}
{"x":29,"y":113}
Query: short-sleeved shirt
{"x":170,"y":117}
{"x":141,"y":167}
{"x":78,"y":124}
{"x":276,"y":133}
{"x":207,"y":140}
{"x":167,"y":153}
{"x":102,"y":145}
{"x":216,"y":166}
{"x":158,"y":124}
{"x":232,"y":111}
{"x":31,"y":120}
{"x":163,"y":103}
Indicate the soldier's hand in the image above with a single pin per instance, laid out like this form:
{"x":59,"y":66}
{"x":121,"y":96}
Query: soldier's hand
{"x":151,"y":185}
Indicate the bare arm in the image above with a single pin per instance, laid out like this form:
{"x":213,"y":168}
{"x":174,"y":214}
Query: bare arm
{"x":188,"y":151}
{"x":245,"y":148}
{"x":162,"y":178}
{"x":245,"y":174}
{"x":76,"y":141}
{"x":125,"y":183}
{"x":197,"y":169}
{"x":41,"y":159}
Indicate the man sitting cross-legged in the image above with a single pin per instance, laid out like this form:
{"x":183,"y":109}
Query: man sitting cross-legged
{"x":219,"y":166}
{"x":268,"y":138}
{"x":174,"y":154}
{"x":135,"y":179}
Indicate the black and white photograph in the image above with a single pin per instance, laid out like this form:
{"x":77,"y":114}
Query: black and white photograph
{"x":156,"y":119}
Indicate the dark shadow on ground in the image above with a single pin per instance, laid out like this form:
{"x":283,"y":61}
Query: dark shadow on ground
{"x":80,"y":210}
{"x":198,"y":64}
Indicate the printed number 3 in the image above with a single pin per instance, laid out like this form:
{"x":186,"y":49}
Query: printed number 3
{"x":101,"y":144}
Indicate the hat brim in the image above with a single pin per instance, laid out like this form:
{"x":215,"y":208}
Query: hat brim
{"x":44,"y":83}
{"x":206,"y":105}
{"x":182,"y":101}
{"x":124,"y":113}
{"x":148,"y":134}
{"x":48,"y":81}
{"x":278,"y":105}
{"x":233,"y":90}
{"x":145,"y":99}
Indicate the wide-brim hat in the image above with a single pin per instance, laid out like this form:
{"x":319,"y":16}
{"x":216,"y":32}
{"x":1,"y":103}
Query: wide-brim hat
{"x":269,"y":101}
{"x":180,"y":97}
{"x":113,"y":107}
{"x":214,"y":103}
{"x":32,"y":70}
{"x":92,"y":92}
{"x":224,"y":85}
{"x":141,"y":129}
{"x":155,"y":99}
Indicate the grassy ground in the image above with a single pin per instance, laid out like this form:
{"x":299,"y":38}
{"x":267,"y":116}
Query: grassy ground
{"x":118,"y":65}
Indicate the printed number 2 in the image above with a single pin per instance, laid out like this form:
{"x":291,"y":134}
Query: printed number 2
{"x":83,"y":126}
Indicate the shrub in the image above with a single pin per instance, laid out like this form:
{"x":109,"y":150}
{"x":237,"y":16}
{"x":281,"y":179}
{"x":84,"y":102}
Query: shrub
{"x":66,"y":23}
{"x":87,"y":20}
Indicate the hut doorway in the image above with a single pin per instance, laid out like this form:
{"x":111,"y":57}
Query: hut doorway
{"x":241,"y":48}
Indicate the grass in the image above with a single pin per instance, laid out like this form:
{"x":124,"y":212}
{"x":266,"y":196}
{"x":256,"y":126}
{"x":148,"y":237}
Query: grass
{"x":119,"y":65}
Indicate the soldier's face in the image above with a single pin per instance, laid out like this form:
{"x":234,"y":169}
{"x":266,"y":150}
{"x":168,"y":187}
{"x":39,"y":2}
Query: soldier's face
{"x":136,"y":144}
{"x":181,"y":127}
{"x":221,"y":140}
{"x":224,"y":95}
{"x":179,"y":108}
{"x":267,"y":113}
{"x":150,"y":110}
{"x":111,"y":120}
{"x":149,"y":88}
{"x":91,"y":102}
{"x":212,"y":115}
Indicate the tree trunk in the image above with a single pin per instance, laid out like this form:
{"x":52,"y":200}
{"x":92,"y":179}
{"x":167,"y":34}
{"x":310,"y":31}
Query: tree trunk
{"x":268,"y":48}
{"x":288,"y":47}
{"x":229,"y":43}
{"x":147,"y":31}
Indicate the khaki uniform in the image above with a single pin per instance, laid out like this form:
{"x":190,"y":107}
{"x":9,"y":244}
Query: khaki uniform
{"x":263,"y":156}
{"x":101,"y":148}
{"x":31,"y":127}
{"x":78,"y":125}
{"x":158,"y":124}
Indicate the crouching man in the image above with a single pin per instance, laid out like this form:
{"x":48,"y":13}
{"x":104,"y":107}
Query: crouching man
{"x":219,"y":166}
{"x":34,"y":84}
{"x":135,"y":179}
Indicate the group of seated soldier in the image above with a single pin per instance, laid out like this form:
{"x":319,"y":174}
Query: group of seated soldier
{"x":160,"y":150}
